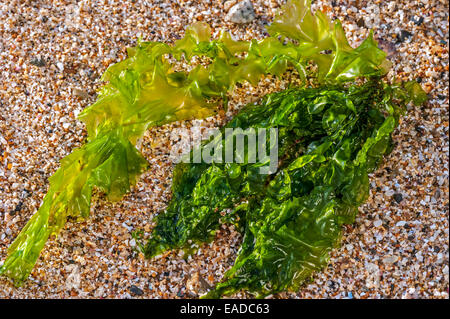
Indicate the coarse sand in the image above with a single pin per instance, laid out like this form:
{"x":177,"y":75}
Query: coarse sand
{"x":52,"y":54}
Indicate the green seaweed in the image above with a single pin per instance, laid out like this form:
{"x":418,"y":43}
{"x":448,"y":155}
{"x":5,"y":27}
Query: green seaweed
{"x":147,"y":89}
{"x":330,"y":139}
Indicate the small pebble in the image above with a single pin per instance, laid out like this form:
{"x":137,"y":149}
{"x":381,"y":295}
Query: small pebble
{"x":360,"y":23}
{"x":417,"y":20}
{"x":398,"y":197}
{"x":404,"y":35}
{"x":39,"y":62}
{"x":242,"y":12}
{"x":60,"y":66}
{"x":228,"y":4}
{"x":136,"y":291}
{"x":80,"y":93}
{"x":390,"y":259}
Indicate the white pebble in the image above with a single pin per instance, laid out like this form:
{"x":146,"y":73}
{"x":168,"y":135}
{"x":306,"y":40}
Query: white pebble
{"x":390,"y":259}
{"x":377,"y":223}
{"x":242,"y":12}
{"x":60,"y":66}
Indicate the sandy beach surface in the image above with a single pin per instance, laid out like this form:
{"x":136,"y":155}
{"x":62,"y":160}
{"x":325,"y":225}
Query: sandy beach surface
{"x":52,"y":54}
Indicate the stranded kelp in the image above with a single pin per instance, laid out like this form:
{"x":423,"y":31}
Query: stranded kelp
{"x":329,"y":138}
{"x":148,"y":89}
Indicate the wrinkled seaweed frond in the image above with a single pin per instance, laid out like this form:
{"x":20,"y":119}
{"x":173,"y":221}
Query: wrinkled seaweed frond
{"x":330,"y":138}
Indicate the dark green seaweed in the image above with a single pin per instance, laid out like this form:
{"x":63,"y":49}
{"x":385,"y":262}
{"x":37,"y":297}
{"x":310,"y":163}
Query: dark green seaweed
{"x":330,"y":139}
